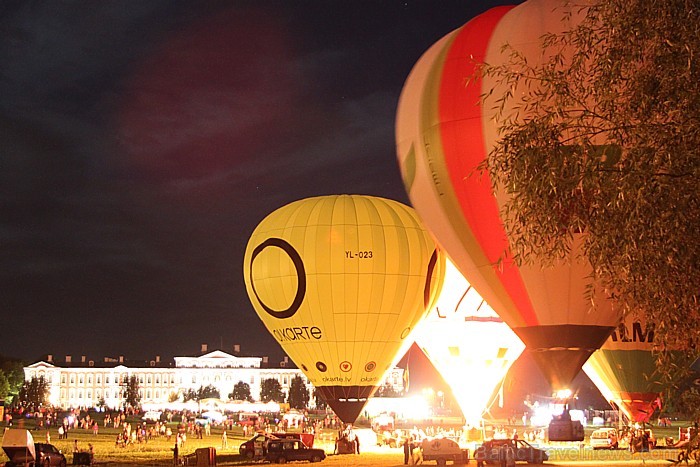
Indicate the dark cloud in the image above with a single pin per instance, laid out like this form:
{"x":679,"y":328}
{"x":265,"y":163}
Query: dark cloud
{"x":144,"y":141}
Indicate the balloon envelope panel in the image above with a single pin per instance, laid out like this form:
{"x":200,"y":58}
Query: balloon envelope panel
{"x":341,"y":282}
{"x":443,"y":133}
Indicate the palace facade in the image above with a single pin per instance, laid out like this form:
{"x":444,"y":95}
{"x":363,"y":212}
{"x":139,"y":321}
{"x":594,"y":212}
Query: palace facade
{"x":85,"y":383}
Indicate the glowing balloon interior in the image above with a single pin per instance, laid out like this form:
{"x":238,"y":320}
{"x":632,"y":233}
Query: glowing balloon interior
{"x":443,"y":133}
{"x":624,"y":370}
{"x":341,"y":282}
{"x":468,"y":344}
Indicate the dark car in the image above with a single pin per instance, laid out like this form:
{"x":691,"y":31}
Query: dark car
{"x":48,"y":455}
{"x":492,"y":450}
{"x":248,"y":450}
{"x":282,"y":451}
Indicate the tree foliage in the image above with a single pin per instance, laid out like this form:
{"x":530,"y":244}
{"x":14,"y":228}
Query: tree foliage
{"x":130,"y":393}
{"x":13,"y":370}
{"x":203,"y":392}
{"x":319,"y":401}
{"x":34,"y":393}
{"x":604,"y":140}
{"x":271,"y":390}
{"x":241,"y":392}
{"x":4,"y":386}
{"x":298,"y":394}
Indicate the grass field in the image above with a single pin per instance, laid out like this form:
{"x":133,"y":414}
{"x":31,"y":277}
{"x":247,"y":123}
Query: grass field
{"x":159,"y":451}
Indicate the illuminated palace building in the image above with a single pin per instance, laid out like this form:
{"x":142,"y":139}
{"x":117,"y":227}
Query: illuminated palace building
{"x":84,"y":382}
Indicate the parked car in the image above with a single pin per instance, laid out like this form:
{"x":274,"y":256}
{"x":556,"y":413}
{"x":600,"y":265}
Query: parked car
{"x":604,"y":438}
{"x":48,"y":455}
{"x":248,"y":448}
{"x":490,"y":451}
{"x":152,"y":416}
{"x":21,"y":450}
{"x":282,"y":451}
{"x":442,"y":450}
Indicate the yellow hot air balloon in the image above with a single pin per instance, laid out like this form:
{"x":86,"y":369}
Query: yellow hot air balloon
{"x":341,"y":282}
{"x":468,"y":344}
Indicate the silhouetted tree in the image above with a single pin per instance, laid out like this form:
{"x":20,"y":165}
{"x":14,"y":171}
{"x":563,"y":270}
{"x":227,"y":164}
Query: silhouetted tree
{"x":271,"y":390}
{"x":33,"y":393}
{"x":298,"y":394}
{"x":130,"y":393}
{"x":241,"y":392}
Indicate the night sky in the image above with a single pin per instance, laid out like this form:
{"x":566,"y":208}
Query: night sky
{"x":142,"y":142}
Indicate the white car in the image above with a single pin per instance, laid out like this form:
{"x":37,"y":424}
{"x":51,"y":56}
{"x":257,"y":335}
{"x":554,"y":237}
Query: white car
{"x":604,"y":438}
{"x":152,"y":416}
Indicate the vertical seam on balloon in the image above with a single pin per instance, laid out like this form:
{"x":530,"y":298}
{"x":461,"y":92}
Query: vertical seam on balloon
{"x":386,"y":207}
{"x":332,"y":349}
{"x":401,"y":217}
{"x":358,"y":274}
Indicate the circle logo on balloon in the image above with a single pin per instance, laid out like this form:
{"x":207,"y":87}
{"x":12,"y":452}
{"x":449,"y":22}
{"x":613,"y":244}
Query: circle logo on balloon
{"x":345,"y":366}
{"x":405,"y":332}
{"x":301,"y":277}
{"x":370,"y":366}
{"x":320,"y":366}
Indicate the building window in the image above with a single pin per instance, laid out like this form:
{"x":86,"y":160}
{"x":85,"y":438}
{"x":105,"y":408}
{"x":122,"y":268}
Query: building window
{"x":80,"y":379}
{"x":72,"y":379}
{"x":98,"y":379}
{"x":157,"y":379}
{"x":106,"y":394}
{"x":148,"y":379}
{"x":63,"y":379}
{"x":106,"y":379}
{"x":89,"y":379}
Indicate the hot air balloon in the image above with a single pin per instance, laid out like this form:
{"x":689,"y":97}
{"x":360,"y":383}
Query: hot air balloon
{"x":468,"y":344}
{"x":624,"y":370}
{"x":341,"y":282}
{"x":443,"y":133}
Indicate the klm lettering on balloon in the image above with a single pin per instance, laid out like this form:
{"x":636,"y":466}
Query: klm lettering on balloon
{"x":637,"y":334}
{"x":298,"y":333}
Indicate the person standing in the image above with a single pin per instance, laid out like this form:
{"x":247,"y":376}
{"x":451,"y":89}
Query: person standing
{"x":224,"y":440}
{"x":406,"y":449}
